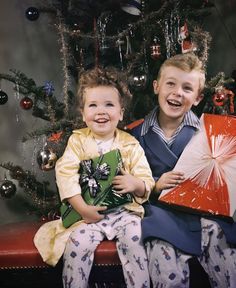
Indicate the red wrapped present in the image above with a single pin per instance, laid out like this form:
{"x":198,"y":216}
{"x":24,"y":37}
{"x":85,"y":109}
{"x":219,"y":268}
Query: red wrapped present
{"x":209,"y":165}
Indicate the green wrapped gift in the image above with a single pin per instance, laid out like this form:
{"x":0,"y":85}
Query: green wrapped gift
{"x":96,"y":176}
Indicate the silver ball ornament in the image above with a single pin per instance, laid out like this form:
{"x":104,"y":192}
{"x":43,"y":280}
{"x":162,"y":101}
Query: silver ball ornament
{"x":138,"y":80}
{"x":46,"y":159}
{"x":7,"y":189}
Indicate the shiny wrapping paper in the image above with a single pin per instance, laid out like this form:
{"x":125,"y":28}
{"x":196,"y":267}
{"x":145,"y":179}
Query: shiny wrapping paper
{"x":96,"y":177}
{"x":209,"y":166}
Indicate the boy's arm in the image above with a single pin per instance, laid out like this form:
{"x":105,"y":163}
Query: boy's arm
{"x":168,"y":180}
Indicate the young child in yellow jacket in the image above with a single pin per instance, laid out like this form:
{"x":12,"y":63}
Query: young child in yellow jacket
{"x":102,"y":98}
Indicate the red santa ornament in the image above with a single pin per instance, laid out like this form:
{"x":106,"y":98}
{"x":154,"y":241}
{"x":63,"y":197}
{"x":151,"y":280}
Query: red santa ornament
{"x":184,"y":39}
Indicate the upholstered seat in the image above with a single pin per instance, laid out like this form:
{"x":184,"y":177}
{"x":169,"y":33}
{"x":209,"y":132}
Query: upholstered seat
{"x":22,"y":266}
{"x":17,"y":249}
{"x":19,"y":258}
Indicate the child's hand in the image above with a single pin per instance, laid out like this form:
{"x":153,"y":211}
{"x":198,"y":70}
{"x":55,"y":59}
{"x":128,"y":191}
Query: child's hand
{"x":169,"y":180}
{"x":91,"y":215}
{"x":127,"y":183}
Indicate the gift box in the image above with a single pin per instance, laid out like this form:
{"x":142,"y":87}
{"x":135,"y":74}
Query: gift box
{"x":209,"y":166}
{"x":95,"y":179}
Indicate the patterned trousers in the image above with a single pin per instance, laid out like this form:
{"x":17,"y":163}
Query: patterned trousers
{"x":123,"y":226}
{"x":169,"y":268}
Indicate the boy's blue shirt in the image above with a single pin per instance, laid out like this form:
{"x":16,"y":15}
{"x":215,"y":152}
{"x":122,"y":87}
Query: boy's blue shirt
{"x":181,"y":229}
{"x":162,"y":157}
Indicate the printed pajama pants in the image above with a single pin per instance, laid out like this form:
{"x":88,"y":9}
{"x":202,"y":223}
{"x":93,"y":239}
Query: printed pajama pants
{"x":168,"y":267}
{"x":122,"y":225}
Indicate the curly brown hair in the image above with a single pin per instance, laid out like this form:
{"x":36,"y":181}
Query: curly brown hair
{"x":108,"y":76}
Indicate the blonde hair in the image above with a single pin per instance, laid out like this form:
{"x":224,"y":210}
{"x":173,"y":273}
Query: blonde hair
{"x":186,"y":62}
{"x":108,"y":76}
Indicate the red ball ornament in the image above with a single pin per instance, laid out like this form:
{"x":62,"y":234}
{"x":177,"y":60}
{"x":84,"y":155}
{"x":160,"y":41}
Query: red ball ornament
{"x":26,"y":103}
{"x":219,"y":98}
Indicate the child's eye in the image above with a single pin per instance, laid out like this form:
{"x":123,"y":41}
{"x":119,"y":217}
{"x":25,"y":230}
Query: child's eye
{"x":170,"y":83}
{"x":110,"y":104}
{"x":92,"y":105}
{"x":188,"y":88}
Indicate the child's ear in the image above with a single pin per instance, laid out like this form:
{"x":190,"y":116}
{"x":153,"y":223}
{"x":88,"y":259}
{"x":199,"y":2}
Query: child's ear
{"x":155,"y":86}
{"x":122,"y":111}
{"x":82,"y":113}
{"x":198,"y":99}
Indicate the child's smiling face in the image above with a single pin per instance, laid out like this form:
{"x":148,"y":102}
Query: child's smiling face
{"x":102,"y":111}
{"x":177,"y":91}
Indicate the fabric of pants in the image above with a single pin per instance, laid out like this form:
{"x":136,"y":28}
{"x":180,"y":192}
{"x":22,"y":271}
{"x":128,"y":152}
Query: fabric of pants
{"x":125,"y":227}
{"x":168,"y":267}
{"x":218,"y":258}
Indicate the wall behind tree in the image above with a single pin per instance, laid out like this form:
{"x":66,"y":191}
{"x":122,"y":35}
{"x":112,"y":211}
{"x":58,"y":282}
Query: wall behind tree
{"x":221,"y":25}
{"x":32,"y":48}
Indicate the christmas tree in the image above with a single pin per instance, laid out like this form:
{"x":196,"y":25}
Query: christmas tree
{"x":133,"y":36}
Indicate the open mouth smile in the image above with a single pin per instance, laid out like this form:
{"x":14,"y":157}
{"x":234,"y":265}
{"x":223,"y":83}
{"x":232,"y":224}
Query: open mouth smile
{"x":174,"y":103}
{"x":100,"y":121}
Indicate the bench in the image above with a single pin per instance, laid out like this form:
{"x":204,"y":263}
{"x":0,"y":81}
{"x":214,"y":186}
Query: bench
{"x":22,"y":266}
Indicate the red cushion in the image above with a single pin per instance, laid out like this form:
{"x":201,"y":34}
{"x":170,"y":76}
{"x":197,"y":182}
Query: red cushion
{"x":17,"y":249}
{"x":134,"y":124}
{"x":106,"y":254}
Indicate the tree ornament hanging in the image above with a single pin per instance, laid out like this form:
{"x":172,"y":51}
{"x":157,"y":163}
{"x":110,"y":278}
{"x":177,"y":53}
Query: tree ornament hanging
{"x":26,"y":103}
{"x":46,"y":159}
{"x":128,"y":53}
{"x":184,"y":39}
{"x":7,"y":189}
{"x":48,"y":88}
{"x":219,"y":97}
{"x":32,"y":13}
{"x":138,"y":78}
{"x":155,"y":48}
{"x":103,"y":22}
{"x":3,"y":97}
{"x":223,"y":101}
{"x":132,"y":7}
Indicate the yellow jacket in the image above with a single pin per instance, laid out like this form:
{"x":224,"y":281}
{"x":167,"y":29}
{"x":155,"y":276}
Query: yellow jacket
{"x":51,"y":238}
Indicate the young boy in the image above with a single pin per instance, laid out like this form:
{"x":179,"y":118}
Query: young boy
{"x":102,"y":98}
{"x":172,"y":237}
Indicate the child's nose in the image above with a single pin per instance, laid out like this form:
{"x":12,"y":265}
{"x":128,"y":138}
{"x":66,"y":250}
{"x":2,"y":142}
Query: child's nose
{"x":178,"y":90}
{"x":101,"y":110}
